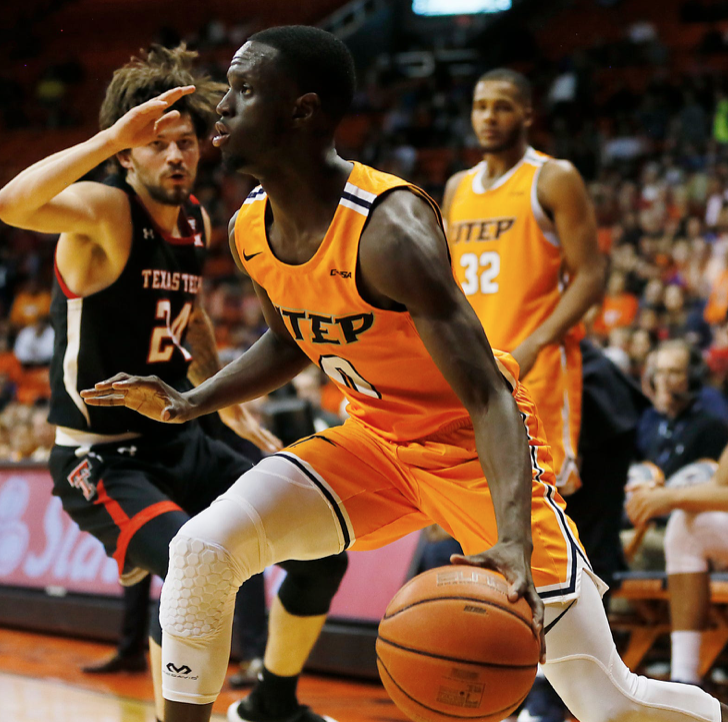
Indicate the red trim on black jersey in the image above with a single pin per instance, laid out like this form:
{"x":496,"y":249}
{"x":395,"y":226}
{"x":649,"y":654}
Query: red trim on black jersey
{"x":67,"y":292}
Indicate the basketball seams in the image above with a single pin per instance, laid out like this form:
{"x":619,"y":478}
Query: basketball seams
{"x":490,"y":715}
{"x":460,"y":660}
{"x":477,"y":600}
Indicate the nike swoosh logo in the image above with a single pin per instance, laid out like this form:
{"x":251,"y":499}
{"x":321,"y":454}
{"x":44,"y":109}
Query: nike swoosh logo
{"x":252,"y":255}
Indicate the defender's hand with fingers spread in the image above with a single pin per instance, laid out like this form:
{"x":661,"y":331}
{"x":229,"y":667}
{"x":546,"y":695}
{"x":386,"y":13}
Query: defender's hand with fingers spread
{"x":510,"y":560}
{"x":147,"y":395}
{"x":143,"y":124}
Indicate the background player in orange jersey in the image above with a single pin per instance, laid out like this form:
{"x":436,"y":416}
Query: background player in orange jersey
{"x":351,"y":266}
{"x":523,"y":238}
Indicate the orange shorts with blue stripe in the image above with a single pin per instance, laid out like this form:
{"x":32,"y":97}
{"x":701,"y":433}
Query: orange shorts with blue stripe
{"x":383,"y":490}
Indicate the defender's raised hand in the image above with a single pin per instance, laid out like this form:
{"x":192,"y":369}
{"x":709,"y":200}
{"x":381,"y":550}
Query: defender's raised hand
{"x":142,"y":124}
{"x":147,"y":395}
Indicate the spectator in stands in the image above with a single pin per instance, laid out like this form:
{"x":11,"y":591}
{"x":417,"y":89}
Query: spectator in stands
{"x":619,"y":307}
{"x":696,"y":538}
{"x":31,"y":302}
{"x":34,"y":343}
{"x":679,"y":430}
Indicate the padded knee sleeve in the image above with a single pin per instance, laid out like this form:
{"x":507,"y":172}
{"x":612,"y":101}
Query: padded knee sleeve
{"x":310,"y":586}
{"x":245,"y":530}
{"x":584,"y":668}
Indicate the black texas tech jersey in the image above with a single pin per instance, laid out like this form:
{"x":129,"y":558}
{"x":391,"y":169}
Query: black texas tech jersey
{"x":136,"y":325}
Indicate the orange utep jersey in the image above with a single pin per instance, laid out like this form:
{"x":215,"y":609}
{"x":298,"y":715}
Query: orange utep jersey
{"x":375,"y":357}
{"x":505,"y":252}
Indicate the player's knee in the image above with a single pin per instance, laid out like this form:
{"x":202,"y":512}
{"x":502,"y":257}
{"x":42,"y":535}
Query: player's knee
{"x":200,"y":587}
{"x":310,"y":586}
{"x":683,"y":552}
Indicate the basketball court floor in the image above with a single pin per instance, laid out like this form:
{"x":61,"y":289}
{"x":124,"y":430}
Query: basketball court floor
{"x":41,"y":681}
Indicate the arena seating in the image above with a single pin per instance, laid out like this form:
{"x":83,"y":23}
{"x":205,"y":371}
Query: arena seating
{"x":648,"y":615}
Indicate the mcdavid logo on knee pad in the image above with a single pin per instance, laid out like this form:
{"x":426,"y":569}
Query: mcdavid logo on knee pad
{"x":172,"y":670}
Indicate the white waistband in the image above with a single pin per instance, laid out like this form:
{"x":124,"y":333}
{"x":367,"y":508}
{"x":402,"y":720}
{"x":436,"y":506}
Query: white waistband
{"x":74,"y":437}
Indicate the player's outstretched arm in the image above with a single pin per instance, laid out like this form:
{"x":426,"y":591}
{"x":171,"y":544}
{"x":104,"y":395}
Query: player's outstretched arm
{"x":403,"y":258}
{"x":45,"y":197}
{"x":271,"y":362}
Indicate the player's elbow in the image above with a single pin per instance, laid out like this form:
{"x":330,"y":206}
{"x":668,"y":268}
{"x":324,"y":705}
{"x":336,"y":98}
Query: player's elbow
{"x":7,"y":207}
{"x":596,"y":276}
{"x":12,"y":212}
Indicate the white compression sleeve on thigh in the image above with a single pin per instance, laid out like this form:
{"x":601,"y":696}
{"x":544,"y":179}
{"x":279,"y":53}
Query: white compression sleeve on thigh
{"x":584,"y":668}
{"x":272,"y":513}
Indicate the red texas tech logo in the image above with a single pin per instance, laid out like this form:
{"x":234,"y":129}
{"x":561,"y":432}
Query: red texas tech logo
{"x":79,"y":478}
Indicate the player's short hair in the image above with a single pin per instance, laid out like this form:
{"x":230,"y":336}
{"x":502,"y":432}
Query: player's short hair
{"x":157,"y":70}
{"x":519,"y":81}
{"x":318,"y":62}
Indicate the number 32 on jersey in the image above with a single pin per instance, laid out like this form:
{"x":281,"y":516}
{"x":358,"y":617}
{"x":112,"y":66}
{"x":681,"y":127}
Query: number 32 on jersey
{"x":481,"y":271}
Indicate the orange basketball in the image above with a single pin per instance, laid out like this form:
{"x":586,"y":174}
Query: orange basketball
{"x":452,"y":647}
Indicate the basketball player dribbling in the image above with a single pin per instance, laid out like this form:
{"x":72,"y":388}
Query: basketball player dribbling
{"x":352,"y":268}
{"x":127,"y":294}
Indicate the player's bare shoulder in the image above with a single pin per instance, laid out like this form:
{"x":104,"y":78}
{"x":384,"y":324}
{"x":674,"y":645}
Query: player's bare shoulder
{"x":558,"y":181}
{"x":402,"y":246}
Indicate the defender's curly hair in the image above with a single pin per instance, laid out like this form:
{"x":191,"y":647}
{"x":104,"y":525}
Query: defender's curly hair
{"x":155,"y":71}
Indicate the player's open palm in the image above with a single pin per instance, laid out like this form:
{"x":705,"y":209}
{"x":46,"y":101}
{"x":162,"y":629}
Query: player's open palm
{"x":143,"y":124}
{"x":147,"y":395}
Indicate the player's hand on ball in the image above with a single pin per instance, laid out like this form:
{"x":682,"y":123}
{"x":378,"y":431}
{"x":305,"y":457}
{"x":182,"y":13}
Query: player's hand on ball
{"x":244,"y":424}
{"x":510,"y":560}
{"x":147,"y":395}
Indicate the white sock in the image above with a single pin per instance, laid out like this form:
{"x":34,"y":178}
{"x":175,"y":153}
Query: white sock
{"x":685,"y":663}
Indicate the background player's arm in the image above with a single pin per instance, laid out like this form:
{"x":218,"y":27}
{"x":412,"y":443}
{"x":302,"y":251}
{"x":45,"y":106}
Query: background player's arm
{"x":403,"y":259}
{"x":206,"y":363}
{"x":562,"y":194}
{"x":46,"y":197}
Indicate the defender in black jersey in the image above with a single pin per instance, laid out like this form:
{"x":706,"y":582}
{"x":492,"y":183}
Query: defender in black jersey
{"x":127,"y":296}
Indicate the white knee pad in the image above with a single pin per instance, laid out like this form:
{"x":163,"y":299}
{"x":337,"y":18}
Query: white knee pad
{"x":199,"y":585}
{"x":196,"y":611}
{"x":272,"y":513}
{"x":584,"y":668}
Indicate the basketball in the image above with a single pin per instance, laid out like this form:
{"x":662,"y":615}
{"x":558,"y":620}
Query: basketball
{"x":452,"y":647}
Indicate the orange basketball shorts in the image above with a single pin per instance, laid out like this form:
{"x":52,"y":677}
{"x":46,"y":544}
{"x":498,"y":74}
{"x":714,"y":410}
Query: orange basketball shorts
{"x":383,"y":490}
{"x":555,"y":384}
